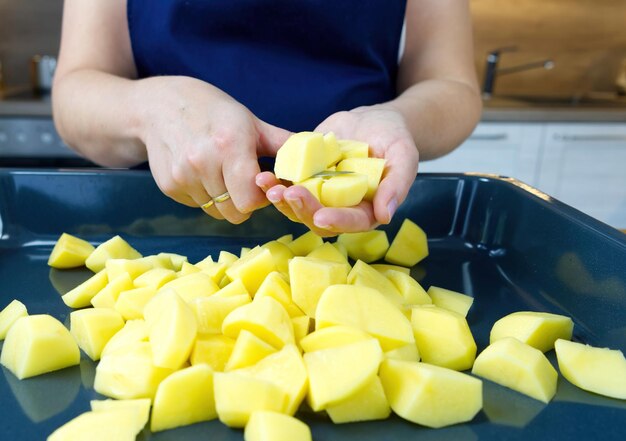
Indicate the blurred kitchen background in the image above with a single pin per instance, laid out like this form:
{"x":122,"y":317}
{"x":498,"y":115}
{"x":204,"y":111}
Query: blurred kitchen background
{"x":553,"y":74}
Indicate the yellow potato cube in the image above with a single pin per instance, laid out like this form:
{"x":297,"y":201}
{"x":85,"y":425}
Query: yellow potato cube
{"x":172,"y":329}
{"x":157,"y":261}
{"x":332,"y":337}
{"x":9,"y":315}
{"x":187,"y":269}
{"x":314,"y":185}
{"x":598,"y":370}
{"x":104,"y":425}
{"x":192,"y":286}
{"x":537,"y":329}
{"x":368,"y":246}
{"x":341,"y":248}
{"x":450,"y":300}
{"x":303,"y":245}
{"x":287,"y":238}
{"x":214,"y":270}
{"x":183,"y":398}
{"x":132,"y":267}
{"x":133,"y":331}
{"x":303,"y":155}
{"x":409,"y":246}
{"x":93,"y":328}
{"x":227,"y":258}
{"x":108,"y":295}
{"x":211,"y":311}
{"x":265,"y":317}
{"x":309,"y":277}
{"x":238,"y":396}
{"x":69,"y":252}
{"x":129,"y":373}
{"x":281,"y":254}
{"x":114,"y":248}
{"x":139,"y":408}
{"x":383,"y":268}
{"x":213,"y":350}
{"x":274,"y":286}
{"x":286,"y":370}
{"x":81,"y":296}
{"x":37,"y":344}
{"x":232,"y":289}
{"x":176,"y":260}
{"x":155,"y":278}
{"x":377,"y":316}
{"x":132,"y":302}
{"x":371,"y":167}
{"x":327,"y":251}
{"x":252,"y":268}
{"x":430,"y":395}
{"x":364,"y":275}
{"x":406,"y":353}
{"x":408,"y":287}
{"x":336,"y":374}
{"x":443,"y":337}
{"x":353,"y":149}
{"x":301,"y":327}
{"x":343,"y":190}
{"x":266,"y":425}
{"x":248,"y":350}
{"x":369,"y":403}
{"x":518,"y":366}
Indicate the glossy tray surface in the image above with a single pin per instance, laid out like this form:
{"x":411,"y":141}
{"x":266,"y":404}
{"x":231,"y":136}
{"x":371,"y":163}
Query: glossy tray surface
{"x":509,"y":246}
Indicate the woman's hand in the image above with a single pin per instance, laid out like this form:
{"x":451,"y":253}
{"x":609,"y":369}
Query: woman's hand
{"x":385,"y":130}
{"x":202,"y":143}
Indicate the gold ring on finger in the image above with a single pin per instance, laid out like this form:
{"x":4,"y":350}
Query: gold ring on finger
{"x":221,"y":198}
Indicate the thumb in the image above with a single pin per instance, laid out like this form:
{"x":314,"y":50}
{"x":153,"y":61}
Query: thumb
{"x":271,"y":138}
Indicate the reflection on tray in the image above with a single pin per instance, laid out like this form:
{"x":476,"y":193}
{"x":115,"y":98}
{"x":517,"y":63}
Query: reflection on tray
{"x":45,"y":396}
{"x":68,"y":279}
{"x":567,"y":392}
{"x":507,"y":407}
{"x":87,"y":373}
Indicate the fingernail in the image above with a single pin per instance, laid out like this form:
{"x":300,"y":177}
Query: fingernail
{"x":321,"y":224}
{"x":392,"y":206}
{"x":295,"y":203}
{"x":273,"y":198}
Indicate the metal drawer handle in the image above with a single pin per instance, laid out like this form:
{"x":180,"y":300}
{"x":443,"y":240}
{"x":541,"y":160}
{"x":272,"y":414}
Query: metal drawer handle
{"x":489,"y":137}
{"x":604,"y":138}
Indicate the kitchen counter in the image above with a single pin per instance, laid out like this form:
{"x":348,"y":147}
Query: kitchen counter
{"x":22,"y":102}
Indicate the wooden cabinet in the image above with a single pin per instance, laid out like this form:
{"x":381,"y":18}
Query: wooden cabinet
{"x":581,"y":164}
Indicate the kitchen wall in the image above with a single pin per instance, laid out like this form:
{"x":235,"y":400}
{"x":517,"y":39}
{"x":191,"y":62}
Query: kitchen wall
{"x":27,"y":28}
{"x":586,"y":38}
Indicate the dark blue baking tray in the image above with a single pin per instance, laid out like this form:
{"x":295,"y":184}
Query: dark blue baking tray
{"x":508,"y":245}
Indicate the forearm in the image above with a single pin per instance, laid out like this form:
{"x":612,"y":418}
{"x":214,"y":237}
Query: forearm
{"x":439,"y":113}
{"x":99,"y":115}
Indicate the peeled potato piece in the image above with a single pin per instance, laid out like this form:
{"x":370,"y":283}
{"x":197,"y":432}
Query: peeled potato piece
{"x":9,"y":315}
{"x":265,"y":425}
{"x":538,"y":329}
{"x":69,"y":252}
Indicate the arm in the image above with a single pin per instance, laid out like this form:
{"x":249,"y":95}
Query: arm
{"x":437,"y":108}
{"x":199,"y":141}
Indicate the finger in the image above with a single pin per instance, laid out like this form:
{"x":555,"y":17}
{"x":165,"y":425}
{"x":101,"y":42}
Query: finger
{"x":271,"y":138}
{"x":240,"y":170}
{"x":304,"y":206}
{"x":400,"y":170}
{"x":266,"y":180}
{"x":275,"y":196}
{"x":346,"y":220}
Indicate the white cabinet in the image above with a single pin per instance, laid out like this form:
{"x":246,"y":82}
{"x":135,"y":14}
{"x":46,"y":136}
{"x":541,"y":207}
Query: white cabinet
{"x":507,"y":149}
{"x":584,"y":165}
{"x":580,"y":164}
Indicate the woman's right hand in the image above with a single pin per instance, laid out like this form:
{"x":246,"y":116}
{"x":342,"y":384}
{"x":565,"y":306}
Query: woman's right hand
{"x":201,"y":143}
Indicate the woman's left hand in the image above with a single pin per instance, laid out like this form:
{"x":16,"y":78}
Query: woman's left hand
{"x":385,"y":130}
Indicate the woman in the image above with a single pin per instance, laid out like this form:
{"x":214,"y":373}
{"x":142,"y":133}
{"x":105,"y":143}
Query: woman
{"x":201,"y":88}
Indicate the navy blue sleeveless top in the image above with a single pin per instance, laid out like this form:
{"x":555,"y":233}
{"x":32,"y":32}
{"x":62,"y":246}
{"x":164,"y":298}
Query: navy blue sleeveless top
{"x":291,"y":62}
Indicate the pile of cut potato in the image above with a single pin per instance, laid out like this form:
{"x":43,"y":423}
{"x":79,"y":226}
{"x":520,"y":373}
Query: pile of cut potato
{"x":251,"y":338}
{"x":247,"y":339}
